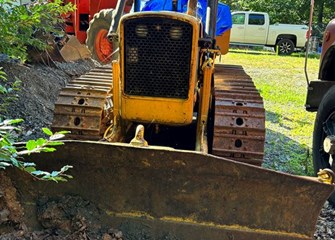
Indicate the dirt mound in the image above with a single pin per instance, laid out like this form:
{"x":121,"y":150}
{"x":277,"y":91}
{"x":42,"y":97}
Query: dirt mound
{"x":40,"y":85}
{"x":11,"y":212}
{"x":70,"y":218}
{"x":73,"y":216}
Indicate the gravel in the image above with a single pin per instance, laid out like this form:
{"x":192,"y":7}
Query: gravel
{"x":40,"y":85}
{"x":325,"y":229}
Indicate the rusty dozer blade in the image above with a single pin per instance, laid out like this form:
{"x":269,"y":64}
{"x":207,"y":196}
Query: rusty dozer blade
{"x":185,"y":194}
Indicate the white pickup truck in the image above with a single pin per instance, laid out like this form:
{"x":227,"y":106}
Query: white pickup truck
{"x":253,"y":28}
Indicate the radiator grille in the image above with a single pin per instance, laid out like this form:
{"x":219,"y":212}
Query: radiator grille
{"x":157,"y":57}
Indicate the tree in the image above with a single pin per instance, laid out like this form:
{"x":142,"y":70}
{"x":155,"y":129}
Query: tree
{"x":325,"y":11}
{"x":288,"y":11}
{"x":20,"y":25}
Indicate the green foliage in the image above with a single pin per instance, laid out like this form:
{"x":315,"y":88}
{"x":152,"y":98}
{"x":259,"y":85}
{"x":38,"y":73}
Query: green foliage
{"x":12,"y":154}
{"x":8,"y":92}
{"x":23,"y":26}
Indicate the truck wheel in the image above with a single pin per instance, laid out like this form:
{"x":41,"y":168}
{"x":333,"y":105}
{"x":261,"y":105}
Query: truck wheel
{"x":285,"y":47}
{"x":324,"y":126}
{"x":97,"y":41}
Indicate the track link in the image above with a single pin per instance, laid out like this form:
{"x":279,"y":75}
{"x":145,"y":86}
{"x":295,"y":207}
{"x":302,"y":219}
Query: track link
{"x":239,"y":122}
{"x":84,"y":106}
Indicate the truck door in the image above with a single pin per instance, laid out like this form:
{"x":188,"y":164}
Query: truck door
{"x":256,"y":29}
{"x":238,"y":29}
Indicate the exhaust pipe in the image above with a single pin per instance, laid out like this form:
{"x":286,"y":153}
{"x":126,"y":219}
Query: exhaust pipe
{"x":212,"y":7}
{"x":192,"y":8}
{"x":117,"y":14}
{"x":137,"y":6}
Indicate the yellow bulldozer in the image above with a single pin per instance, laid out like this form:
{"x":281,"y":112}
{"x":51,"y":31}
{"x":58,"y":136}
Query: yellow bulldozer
{"x":170,"y":139}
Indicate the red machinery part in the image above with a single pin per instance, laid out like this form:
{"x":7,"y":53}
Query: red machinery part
{"x":77,"y":22}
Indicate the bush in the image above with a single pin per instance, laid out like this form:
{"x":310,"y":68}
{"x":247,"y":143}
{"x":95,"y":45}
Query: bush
{"x":23,"y":26}
{"x":7,"y":93}
{"x":11,"y":155}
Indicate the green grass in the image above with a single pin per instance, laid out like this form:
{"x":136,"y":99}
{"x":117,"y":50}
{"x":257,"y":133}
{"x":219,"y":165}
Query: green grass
{"x":282,"y":84}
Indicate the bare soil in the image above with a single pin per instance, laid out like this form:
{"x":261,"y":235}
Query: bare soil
{"x":69,"y":217}
{"x":40,"y":85}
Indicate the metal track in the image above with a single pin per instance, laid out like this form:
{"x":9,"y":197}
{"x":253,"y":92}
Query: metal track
{"x":239,"y":124}
{"x":84,"y":106}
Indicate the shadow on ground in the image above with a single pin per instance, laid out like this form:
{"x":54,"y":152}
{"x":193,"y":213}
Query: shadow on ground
{"x":286,"y":155}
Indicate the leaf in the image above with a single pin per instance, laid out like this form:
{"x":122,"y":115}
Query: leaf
{"x":29,"y":164}
{"x":56,"y":136}
{"x":15,"y":162}
{"x":7,"y":128}
{"x":60,"y":179}
{"x":63,"y":132}
{"x":30,"y":169}
{"x":40,"y":142}
{"x":24,"y":152}
{"x":5,"y":156}
{"x":48,"y":149}
{"x":56,"y":179}
{"x":31,"y":145}
{"x":4,"y":164}
{"x":3,"y":90}
{"x":24,"y":17}
{"x":12,"y":121}
{"x":47,"y":131}
{"x":65,"y":168}
{"x":39,"y":173}
{"x":56,"y":143}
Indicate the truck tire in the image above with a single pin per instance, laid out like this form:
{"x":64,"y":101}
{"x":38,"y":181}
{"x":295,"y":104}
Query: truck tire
{"x":285,"y":47}
{"x":326,"y":112}
{"x":97,"y":41}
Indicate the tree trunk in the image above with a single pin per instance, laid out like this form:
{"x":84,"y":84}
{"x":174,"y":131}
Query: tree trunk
{"x":321,"y":4}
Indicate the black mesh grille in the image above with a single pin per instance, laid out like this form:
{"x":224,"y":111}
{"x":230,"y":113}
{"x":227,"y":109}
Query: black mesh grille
{"x":157,"y":57}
